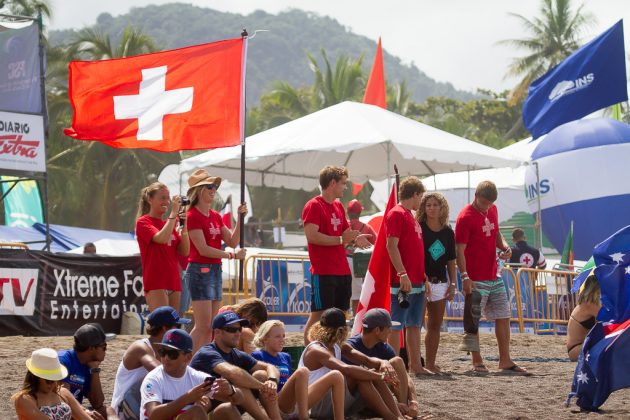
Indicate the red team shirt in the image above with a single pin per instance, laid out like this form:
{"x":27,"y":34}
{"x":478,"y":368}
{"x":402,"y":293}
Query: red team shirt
{"x":480,"y":236}
{"x":331,"y":219}
{"x":211,"y":227}
{"x":400,"y":223}
{"x":159,"y":261}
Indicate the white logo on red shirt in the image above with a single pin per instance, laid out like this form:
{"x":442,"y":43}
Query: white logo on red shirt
{"x":418,"y":230}
{"x":171,"y":240}
{"x":488,"y":227}
{"x":335,"y":221}
{"x":214,"y":230}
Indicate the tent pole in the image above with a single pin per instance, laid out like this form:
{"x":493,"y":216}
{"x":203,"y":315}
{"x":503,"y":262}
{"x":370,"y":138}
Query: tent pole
{"x":44,"y":112}
{"x":389,"y":163}
{"x":468,"y":189}
{"x":538,"y":213}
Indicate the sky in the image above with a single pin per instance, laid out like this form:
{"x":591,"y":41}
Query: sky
{"x":450,"y":40}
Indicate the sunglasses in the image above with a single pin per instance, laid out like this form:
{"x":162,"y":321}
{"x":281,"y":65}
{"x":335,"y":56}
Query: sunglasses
{"x":232,"y":330}
{"x":212,"y":187}
{"x":170,"y":353}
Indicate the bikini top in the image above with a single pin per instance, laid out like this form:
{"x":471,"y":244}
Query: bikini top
{"x":588,"y":323}
{"x":59,"y":411}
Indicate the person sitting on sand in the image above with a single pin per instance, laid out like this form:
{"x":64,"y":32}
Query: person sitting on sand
{"x":254,"y":311}
{"x":295,"y":395}
{"x":140,"y":358}
{"x":323,"y":355}
{"x":174,"y":390}
{"x":254,"y":378}
{"x":584,"y":316}
{"x":42,"y":396}
{"x":372,"y":342}
{"x":83,"y":363}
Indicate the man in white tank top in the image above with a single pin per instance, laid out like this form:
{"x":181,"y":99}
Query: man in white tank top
{"x":141,"y":358}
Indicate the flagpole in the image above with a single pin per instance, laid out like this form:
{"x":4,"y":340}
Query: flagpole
{"x":241,"y":216}
{"x":397,"y":180}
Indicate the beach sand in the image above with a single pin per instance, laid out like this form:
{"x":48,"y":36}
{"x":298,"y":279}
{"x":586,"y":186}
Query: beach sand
{"x":462,"y":396}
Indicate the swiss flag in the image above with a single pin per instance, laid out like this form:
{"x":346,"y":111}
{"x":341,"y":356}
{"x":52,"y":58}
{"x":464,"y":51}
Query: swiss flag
{"x":375,"y":289}
{"x":189,"y":98}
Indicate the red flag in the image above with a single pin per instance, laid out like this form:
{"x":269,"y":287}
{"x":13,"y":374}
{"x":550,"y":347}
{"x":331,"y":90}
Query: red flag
{"x":356,"y":189}
{"x":375,"y":290}
{"x":375,"y":88}
{"x":189,"y":98}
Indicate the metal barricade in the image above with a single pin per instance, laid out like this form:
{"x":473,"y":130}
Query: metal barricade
{"x":547,"y":300}
{"x":13,"y":245}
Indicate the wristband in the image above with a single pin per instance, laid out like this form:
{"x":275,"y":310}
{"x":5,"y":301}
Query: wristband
{"x":95,"y":370}
{"x":230,"y":255}
{"x":233,"y":390}
{"x":402,"y":273}
{"x":341,"y":240}
{"x":273,"y":380}
{"x":171,"y":218}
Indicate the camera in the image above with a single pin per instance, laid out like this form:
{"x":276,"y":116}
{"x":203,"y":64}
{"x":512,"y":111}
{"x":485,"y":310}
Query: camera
{"x":403,"y":299}
{"x":185,"y":201}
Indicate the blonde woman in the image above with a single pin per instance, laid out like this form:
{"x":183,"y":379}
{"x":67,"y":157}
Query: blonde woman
{"x":42,"y":397}
{"x":440,"y":268}
{"x":583,"y":316}
{"x":253,"y":310}
{"x":203,"y":274}
{"x":160,"y":241}
{"x":295,"y":395}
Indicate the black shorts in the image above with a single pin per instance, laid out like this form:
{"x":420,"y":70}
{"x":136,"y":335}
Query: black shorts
{"x":331,"y":292}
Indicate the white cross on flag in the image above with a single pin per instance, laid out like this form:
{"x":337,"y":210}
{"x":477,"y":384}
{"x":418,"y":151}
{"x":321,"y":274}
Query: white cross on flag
{"x":190,"y":98}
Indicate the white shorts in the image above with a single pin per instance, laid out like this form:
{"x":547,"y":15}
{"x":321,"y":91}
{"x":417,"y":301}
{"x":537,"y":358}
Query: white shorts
{"x":438,"y":291}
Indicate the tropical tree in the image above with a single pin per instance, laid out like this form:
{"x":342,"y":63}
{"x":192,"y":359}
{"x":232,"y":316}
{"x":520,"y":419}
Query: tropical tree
{"x":27,"y":7}
{"x":552,"y":37}
{"x":332,"y":86}
{"x":398,"y":98}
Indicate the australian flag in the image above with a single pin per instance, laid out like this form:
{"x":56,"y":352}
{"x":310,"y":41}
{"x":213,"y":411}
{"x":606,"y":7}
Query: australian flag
{"x":603,"y":365}
{"x":591,"y":78}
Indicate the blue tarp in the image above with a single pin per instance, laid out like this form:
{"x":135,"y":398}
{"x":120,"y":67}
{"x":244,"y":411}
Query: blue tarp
{"x":63,"y":238}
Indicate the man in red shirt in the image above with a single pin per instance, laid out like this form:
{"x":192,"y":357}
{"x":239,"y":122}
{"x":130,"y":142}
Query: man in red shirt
{"x":354,"y":212}
{"x":477,"y":237}
{"x":407,"y":277}
{"x":327,"y":232}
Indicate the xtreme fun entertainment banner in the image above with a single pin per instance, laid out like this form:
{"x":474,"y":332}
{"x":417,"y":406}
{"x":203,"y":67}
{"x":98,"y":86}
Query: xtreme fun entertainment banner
{"x":42,"y":293}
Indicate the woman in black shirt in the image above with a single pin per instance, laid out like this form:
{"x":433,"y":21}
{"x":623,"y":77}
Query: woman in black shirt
{"x":440,"y":267}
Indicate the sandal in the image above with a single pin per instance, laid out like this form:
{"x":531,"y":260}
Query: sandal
{"x":481,"y":369}
{"x":515,"y":370}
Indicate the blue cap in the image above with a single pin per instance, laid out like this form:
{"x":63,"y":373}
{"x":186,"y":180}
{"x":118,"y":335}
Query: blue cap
{"x":228,"y":318}
{"x":177,"y":339}
{"x":165,"y":315}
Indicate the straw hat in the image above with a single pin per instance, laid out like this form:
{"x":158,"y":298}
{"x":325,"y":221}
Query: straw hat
{"x":44,"y":363}
{"x":202,"y":177}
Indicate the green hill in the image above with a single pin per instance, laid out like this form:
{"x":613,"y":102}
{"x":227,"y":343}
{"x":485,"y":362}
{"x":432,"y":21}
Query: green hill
{"x":275,"y":55}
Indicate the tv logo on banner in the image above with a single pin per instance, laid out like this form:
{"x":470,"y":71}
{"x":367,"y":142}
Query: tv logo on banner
{"x":18,"y":289}
{"x":22,"y":142}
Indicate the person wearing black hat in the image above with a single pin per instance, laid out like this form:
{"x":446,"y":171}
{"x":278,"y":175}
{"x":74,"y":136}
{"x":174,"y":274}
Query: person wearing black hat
{"x":221,"y":358}
{"x":175,"y":390}
{"x":141,"y":357}
{"x":83,"y":364}
{"x":372,"y":344}
{"x":323,"y":355}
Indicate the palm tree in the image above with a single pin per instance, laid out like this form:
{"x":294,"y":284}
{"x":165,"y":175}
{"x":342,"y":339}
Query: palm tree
{"x":27,"y":7}
{"x":553,"y":36}
{"x":345,"y":82}
{"x":398,"y":98}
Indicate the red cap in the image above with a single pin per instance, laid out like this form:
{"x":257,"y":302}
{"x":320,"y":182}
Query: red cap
{"x":355,"y":207}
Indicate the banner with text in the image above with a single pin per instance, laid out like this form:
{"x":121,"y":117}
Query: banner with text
{"x":22,"y":145}
{"x":42,"y":293}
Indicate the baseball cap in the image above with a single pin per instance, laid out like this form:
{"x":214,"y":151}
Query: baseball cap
{"x":165,"y":315}
{"x":228,"y":318}
{"x":91,"y":335}
{"x":354,"y":206}
{"x":333,"y":318}
{"x":177,"y":339}
{"x":378,"y":317}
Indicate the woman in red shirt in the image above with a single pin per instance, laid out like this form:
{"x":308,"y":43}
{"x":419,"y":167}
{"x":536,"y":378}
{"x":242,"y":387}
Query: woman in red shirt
{"x":160,"y":241}
{"x":203,"y":274}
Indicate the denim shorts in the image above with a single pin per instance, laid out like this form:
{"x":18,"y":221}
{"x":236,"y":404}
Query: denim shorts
{"x":204,"y":281}
{"x":411,"y":316}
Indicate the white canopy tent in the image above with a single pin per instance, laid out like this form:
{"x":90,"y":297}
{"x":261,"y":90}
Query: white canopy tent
{"x":368,"y":140}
